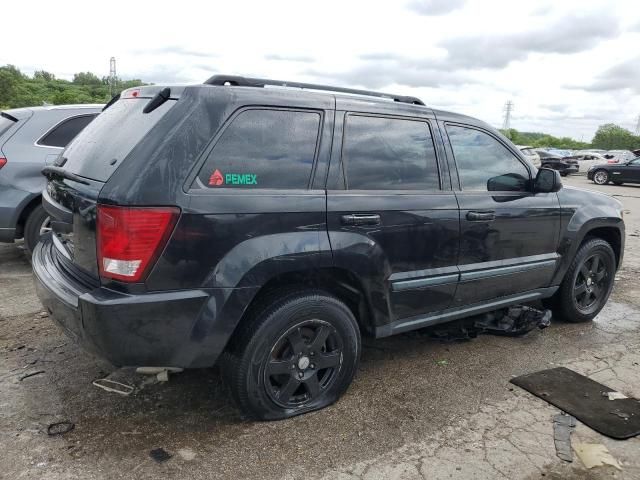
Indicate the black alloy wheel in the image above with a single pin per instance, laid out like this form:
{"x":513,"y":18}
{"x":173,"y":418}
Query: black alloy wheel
{"x":303,"y":364}
{"x":591,"y":283}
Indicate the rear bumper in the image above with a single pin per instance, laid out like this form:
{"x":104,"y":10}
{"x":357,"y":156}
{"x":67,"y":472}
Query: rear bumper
{"x":187,"y":328}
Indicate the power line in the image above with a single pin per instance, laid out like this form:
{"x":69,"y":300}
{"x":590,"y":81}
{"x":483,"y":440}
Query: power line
{"x":508,"y":108}
{"x":112,"y":76}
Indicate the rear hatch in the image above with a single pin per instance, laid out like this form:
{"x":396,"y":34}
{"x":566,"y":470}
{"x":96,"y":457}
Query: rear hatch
{"x":78,"y":175}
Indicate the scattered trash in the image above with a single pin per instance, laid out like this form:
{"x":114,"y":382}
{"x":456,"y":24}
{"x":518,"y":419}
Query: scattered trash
{"x":513,"y":322}
{"x":563,"y":426}
{"x":30,"y":374}
{"x":60,"y":428}
{"x":113,"y":386}
{"x":187,"y":454}
{"x":161,"y":373}
{"x":442,"y":363}
{"x":615,"y":395}
{"x":595,"y":455}
{"x":160,"y":455}
{"x":620,"y":414}
{"x":583,"y":398}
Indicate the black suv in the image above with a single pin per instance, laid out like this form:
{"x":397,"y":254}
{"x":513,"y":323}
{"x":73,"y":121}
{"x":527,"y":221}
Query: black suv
{"x":267,"y":225}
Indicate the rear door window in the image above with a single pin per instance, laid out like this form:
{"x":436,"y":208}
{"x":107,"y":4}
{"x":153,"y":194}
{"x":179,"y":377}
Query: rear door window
{"x":60,"y":135}
{"x":381,"y":153}
{"x":263,"y":148}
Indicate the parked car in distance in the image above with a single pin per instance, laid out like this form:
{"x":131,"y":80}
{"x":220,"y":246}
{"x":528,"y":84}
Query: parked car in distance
{"x":619,"y":156}
{"x":31,"y":138}
{"x":587,"y":159}
{"x":565,"y":166}
{"x":269,"y":229}
{"x":531,"y":155}
{"x":619,"y":173}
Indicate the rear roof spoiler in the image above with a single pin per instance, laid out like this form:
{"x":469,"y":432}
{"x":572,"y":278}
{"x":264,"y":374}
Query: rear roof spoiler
{"x":8,"y":116}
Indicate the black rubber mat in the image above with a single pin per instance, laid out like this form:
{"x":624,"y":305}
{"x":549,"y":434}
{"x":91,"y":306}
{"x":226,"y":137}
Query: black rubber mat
{"x":586,"y":400}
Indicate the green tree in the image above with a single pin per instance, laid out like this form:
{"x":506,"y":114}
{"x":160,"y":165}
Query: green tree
{"x":86,"y":78}
{"x":614,"y":137}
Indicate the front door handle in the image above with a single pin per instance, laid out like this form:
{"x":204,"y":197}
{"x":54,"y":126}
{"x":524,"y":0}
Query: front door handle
{"x":360,"y":219}
{"x":481,"y":216}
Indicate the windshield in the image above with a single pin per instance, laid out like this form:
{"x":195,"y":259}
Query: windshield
{"x":100,"y":148}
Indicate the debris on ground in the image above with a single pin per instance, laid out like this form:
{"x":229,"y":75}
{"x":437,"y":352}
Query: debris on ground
{"x":615,"y":395}
{"x":442,"y":363}
{"x":563,"y":426}
{"x":112,"y":386}
{"x":187,"y":454}
{"x":30,"y":374}
{"x":595,"y":455}
{"x":60,"y":428}
{"x":585,"y":399}
{"x":513,"y":322}
{"x":161,"y":373}
{"x":160,"y":455}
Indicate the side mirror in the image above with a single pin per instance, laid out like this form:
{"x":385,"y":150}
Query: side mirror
{"x":547,"y":181}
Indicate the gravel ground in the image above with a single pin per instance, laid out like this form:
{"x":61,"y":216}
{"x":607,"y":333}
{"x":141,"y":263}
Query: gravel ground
{"x":417,"y":409}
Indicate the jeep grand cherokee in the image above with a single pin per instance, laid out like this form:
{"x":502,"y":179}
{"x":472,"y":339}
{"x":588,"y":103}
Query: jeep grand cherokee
{"x":268,"y":225}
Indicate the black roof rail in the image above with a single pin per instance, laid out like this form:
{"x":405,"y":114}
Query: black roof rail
{"x":238,"y":81}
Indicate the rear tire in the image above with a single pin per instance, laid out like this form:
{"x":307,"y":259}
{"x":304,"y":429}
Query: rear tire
{"x":38,"y":223}
{"x":600,"y":177}
{"x":587,"y":284}
{"x":296,"y":353}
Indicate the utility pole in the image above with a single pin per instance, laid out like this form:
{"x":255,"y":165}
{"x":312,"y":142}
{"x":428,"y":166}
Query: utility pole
{"x":638,"y":127}
{"x":112,"y":76}
{"x":508,"y":108}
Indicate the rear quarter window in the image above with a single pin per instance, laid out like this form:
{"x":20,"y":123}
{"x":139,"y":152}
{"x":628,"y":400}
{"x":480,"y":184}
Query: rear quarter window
{"x":61,"y":134}
{"x":263,"y":148}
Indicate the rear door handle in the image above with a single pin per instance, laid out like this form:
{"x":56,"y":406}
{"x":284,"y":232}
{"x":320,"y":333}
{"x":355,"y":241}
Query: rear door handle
{"x":481,"y":216}
{"x":360,"y":219}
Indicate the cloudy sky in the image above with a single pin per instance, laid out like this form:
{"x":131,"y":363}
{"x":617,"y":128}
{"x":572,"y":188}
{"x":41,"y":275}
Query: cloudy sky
{"x":567,"y":66}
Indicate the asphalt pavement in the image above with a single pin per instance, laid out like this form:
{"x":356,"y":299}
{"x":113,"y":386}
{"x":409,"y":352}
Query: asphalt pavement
{"x":418,"y":408}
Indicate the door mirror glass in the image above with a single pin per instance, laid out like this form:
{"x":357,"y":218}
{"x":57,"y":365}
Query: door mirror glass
{"x":511,"y":182}
{"x":547,"y":181}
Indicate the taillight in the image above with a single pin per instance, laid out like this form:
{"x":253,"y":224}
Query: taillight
{"x":3,"y":162}
{"x":130,"y":239}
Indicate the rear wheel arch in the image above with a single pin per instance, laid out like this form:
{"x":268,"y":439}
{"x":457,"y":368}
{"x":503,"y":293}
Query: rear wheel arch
{"x":25,"y":211}
{"x":339,"y":283}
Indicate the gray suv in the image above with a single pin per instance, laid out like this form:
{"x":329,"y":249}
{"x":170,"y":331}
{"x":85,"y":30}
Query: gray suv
{"x":31,"y":138}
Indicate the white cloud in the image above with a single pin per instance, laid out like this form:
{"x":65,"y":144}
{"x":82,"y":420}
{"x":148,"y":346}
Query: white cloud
{"x":565,"y":65}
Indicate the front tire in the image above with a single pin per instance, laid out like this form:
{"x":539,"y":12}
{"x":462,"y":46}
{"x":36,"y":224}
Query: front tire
{"x":587,"y":284}
{"x":297,"y":353}
{"x":38,"y":223}
{"x":601,"y":177}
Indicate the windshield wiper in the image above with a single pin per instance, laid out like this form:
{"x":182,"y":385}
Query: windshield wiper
{"x":59,"y":172}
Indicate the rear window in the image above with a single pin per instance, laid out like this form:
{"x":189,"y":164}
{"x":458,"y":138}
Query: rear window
{"x":263,"y":149}
{"x":5,"y":124}
{"x":100,"y":148}
{"x":60,"y":135}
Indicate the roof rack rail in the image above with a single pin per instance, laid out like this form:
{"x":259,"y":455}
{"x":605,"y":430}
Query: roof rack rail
{"x":238,"y":81}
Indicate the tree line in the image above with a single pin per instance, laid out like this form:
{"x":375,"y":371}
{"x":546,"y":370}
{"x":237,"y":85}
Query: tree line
{"x":608,"y":137}
{"x":43,"y":88}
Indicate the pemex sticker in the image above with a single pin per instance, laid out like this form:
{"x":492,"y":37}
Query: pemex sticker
{"x":218,"y":179}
